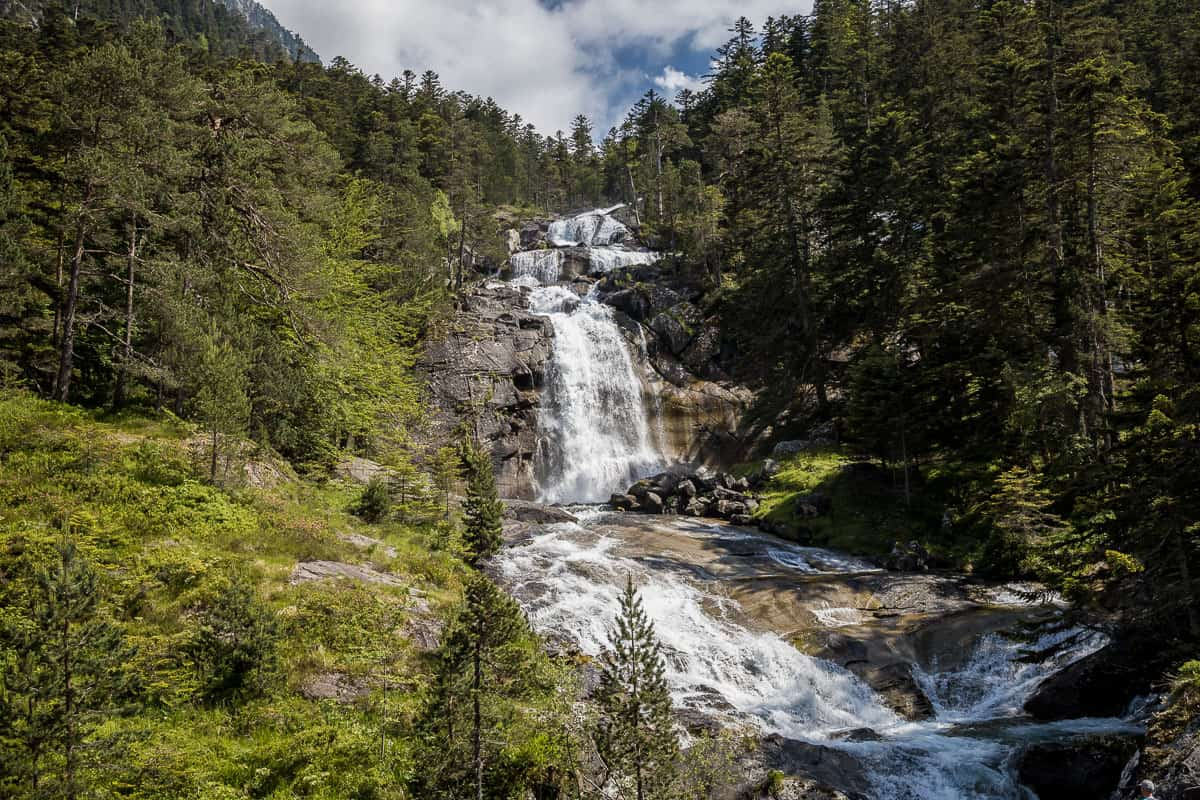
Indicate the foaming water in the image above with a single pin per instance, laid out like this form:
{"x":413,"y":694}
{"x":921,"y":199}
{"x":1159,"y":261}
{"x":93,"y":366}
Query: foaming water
{"x":606,"y":259}
{"x":719,"y":662}
{"x":1002,"y":672}
{"x":570,"y":580}
{"x":590,"y":229}
{"x":599,"y":438}
{"x":544,"y":266}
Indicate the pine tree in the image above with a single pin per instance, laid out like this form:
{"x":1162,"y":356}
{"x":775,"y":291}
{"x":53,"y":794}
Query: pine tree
{"x":221,"y":401}
{"x":488,"y":661}
{"x":634,"y":732}
{"x":65,"y":671}
{"x":482,"y":509}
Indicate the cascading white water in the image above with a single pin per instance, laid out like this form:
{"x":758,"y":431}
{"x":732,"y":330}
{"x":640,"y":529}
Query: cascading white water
{"x":569,"y":577}
{"x":606,"y":259}
{"x":598,"y":438}
{"x":592,"y":229}
{"x":543,"y":265}
{"x":570,"y":580}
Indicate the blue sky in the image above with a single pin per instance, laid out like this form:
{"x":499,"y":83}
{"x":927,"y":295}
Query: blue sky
{"x":546,"y":60}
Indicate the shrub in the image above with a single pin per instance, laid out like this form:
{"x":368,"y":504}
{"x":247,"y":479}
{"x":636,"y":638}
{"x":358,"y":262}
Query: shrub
{"x":375,"y":503}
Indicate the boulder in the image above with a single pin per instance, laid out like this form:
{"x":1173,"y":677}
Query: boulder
{"x":1089,"y":767}
{"x":307,"y":571}
{"x":368,"y":543}
{"x":631,"y":302}
{"x":531,"y":235}
{"x":527,"y":511}
{"x":640,"y":489}
{"x":722,"y":493}
{"x":695,"y":507}
{"x":424,"y":631}
{"x":838,"y":770}
{"x":333,"y":686}
{"x":907,"y":557}
{"x":623,"y":502}
{"x":1101,"y":684}
{"x":652,"y":503}
{"x":742,"y":519}
{"x":676,"y":326}
{"x":705,"y":345}
{"x":686,"y":489}
{"x":895,"y":684}
{"x":728,"y":508}
{"x":360,"y":470}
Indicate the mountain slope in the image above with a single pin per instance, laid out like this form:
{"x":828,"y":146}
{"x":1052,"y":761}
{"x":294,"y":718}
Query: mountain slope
{"x":262,"y":19}
{"x":226,"y":27}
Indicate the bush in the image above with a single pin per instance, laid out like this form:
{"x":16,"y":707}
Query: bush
{"x":375,"y":503}
{"x":233,"y":643}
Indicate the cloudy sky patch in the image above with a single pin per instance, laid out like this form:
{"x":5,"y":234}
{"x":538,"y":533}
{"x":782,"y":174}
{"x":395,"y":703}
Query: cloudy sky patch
{"x":546,"y":60}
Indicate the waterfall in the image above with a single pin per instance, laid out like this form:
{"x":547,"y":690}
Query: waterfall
{"x":597,"y":436}
{"x":543,"y":265}
{"x":594,"y":228}
{"x":599,"y":431}
{"x":606,"y":259}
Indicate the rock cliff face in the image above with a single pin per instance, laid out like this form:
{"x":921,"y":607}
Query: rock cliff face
{"x":487,"y":372}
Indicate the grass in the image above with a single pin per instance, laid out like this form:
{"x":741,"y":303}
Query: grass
{"x":165,"y":541}
{"x":867,"y":512}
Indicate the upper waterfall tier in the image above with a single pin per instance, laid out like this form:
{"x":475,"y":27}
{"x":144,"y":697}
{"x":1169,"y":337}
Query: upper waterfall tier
{"x":591,"y":229}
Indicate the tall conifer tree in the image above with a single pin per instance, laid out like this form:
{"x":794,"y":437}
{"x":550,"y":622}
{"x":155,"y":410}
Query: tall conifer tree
{"x":634,"y":733}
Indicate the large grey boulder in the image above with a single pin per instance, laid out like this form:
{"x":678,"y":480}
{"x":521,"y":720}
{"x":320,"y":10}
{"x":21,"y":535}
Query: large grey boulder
{"x":1103,"y":683}
{"x":538,"y":513}
{"x":675,"y":326}
{"x":307,"y":571}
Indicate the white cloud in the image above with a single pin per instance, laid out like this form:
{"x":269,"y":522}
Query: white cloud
{"x":672,"y":81}
{"x":547,"y":64}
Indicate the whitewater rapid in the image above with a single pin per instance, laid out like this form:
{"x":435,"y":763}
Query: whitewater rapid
{"x":720,"y":663}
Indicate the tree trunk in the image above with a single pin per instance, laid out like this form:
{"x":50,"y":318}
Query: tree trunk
{"x":1063,"y":322}
{"x":119,"y":392}
{"x":633,"y":194}
{"x":66,"y":358}
{"x":1191,"y":602}
{"x":212,"y":470}
{"x":462,"y":249}
{"x":68,"y":711}
{"x":476,"y":732}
